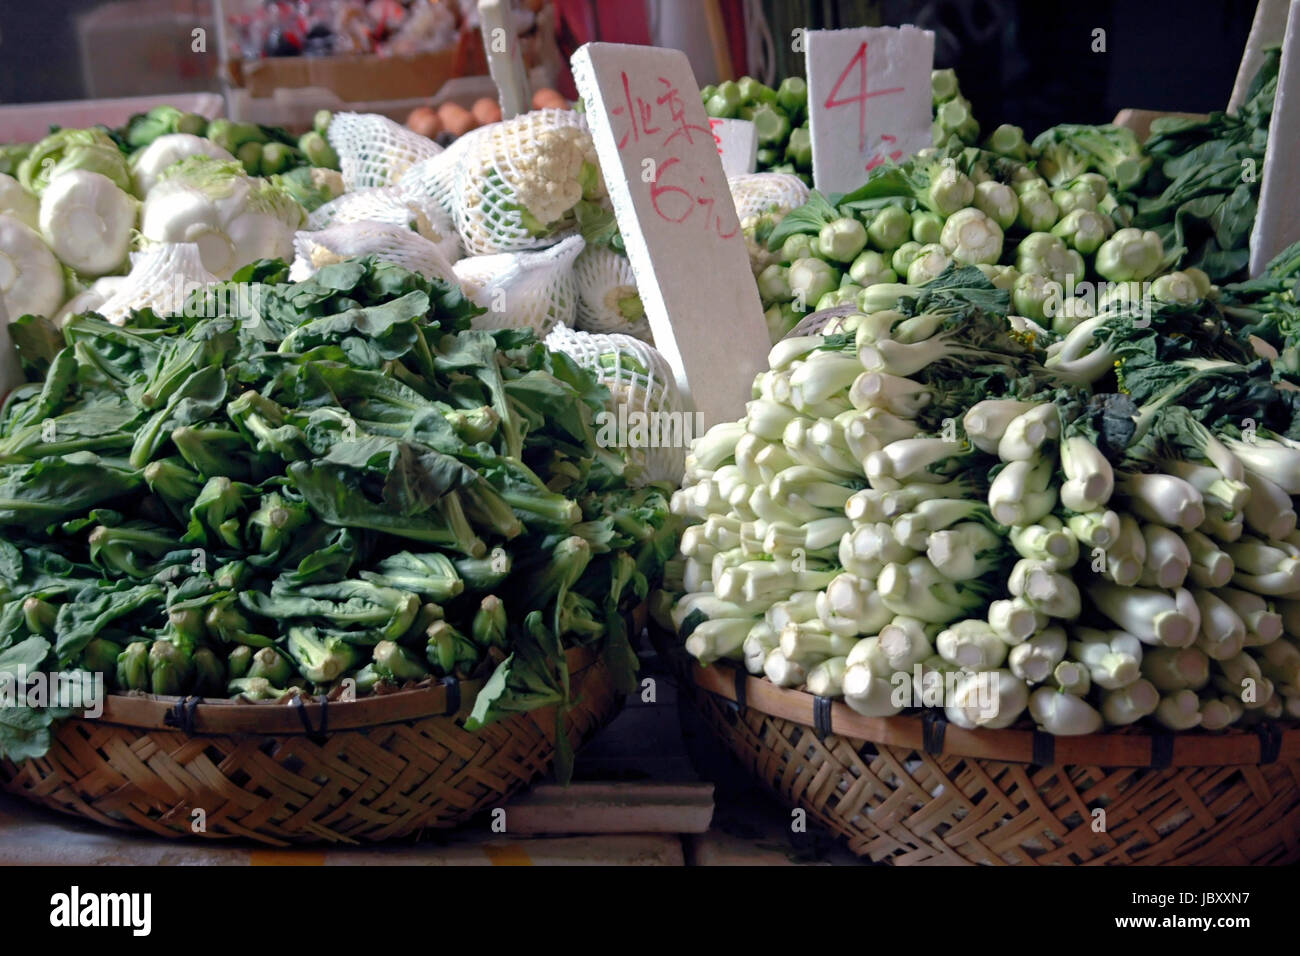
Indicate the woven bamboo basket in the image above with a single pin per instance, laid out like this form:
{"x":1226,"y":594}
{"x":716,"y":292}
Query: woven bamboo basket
{"x":345,"y":772}
{"x":915,"y":790}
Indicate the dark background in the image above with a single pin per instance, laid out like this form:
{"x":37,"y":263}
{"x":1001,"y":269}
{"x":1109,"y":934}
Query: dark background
{"x":1027,"y":62}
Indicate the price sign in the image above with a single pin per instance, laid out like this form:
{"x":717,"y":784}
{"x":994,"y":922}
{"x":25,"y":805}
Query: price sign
{"x":869,"y":100}
{"x":670,"y":196}
{"x":737,"y":145}
{"x":1278,"y":223}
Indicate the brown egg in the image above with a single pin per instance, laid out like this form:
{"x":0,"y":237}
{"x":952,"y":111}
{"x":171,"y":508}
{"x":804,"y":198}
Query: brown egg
{"x":486,"y":110}
{"x":456,"y":119}
{"x":424,"y":120}
{"x":548,"y":99}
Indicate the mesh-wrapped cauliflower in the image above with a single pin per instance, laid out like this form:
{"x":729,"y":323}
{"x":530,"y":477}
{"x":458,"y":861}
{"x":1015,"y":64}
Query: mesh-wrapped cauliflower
{"x":763,"y":200}
{"x":607,"y":295}
{"x":386,"y":241}
{"x":518,"y":184}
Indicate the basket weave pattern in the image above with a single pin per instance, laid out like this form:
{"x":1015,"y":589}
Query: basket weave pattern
{"x":907,"y":805}
{"x":359,"y":784}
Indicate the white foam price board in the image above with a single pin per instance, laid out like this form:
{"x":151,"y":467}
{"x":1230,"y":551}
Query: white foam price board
{"x":1277,"y":223}
{"x":673,"y":206}
{"x":737,"y":145}
{"x":869,"y":100}
{"x":505,"y":58}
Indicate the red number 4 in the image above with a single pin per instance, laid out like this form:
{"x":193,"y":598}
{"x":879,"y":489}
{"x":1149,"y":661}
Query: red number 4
{"x":859,"y":61}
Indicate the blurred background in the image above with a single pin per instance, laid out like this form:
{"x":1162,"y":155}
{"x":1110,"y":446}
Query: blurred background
{"x":1023,"y":61}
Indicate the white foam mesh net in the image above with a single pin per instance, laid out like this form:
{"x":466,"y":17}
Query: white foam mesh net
{"x":434,"y":179}
{"x":389,"y":242}
{"x":388,"y":204}
{"x":606,"y":286}
{"x":532,"y":290}
{"x":757,"y":193}
{"x":375,"y":151}
{"x":655,"y":429}
{"x":162,"y":277}
{"x":487,"y":181}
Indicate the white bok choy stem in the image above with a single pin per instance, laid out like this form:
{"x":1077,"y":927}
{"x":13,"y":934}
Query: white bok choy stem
{"x":1063,"y":714}
{"x":971,"y":644}
{"x":798,"y":607}
{"x":1224,"y":493}
{"x":1126,"y":558}
{"x":1113,"y":658}
{"x":1241,"y":677}
{"x":761,"y":641}
{"x":1015,"y":619}
{"x":1129,"y":704}
{"x":1280,"y":663}
{"x":914,"y":528}
{"x":1223,"y":633}
{"x":991,"y":698}
{"x":1263,"y":624}
{"x":918,"y":590}
{"x":985,"y":422}
{"x":1021,"y":493}
{"x":808,"y":643}
{"x":1044,"y":589}
{"x":1211,"y":566}
{"x":1153,"y":617}
{"x":964,"y":551}
{"x":870,"y":695}
{"x":905,"y":641}
{"x":1180,"y":710}
{"x":1220,"y":712}
{"x":783,"y":672}
{"x":1168,"y":559}
{"x":1036,"y":658}
{"x":1163,"y":499}
{"x":827,"y":678}
{"x":1176,"y":668}
{"x":893,"y":393}
{"x":1270,"y":459}
{"x":1095,"y":529}
{"x":1025,"y":436}
{"x":718,"y":638}
{"x":1090,"y":480}
{"x":1268,"y":510}
{"x":1048,"y":541}
{"x":908,"y":459}
{"x":1071,"y":677}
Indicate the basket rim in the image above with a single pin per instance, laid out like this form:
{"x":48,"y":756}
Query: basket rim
{"x":1274,"y":741}
{"x":299,"y":715}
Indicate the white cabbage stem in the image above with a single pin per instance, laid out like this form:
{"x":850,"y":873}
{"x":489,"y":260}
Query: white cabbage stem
{"x":963,"y":552}
{"x":1211,"y":566}
{"x":1220,"y":712}
{"x":1063,"y":714}
{"x":1280,"y":663}
{"x":717,"y":639}
{"x":986,"y":422}
{"x":783,"y":672}
{"x":1218,"y":491}
{"x":906,"y":641}
{"x":1164,"y":499}
{"x":1126,"y":558}
{"x":1153,"y":617}
{"x":1015,"y":620}
{"x":1021,"y":492}
{"x":1170,"y":668}
{"x":1044,"y":589}
{"x":1048,"y":541}
{"x":1268,"y":509}
{"x":808,"y":643}
{"x":827,"y":678}
{"x":869,"y":695}
{"x":1071,"y":677}
{"x":1096,"y":529}
{"x":1113,"y":658}
{"x":1168,"y":559}
{"x":908,"y":460}
{"x":1027,"y":433}
{"x":1223,"y":633}
{"x":761,"y":640}
{"x":1264,"y":625}
{"x":1127,"y":705}
{"x":971,"y":644}
{"x":1180,"y":710}
{"x":1240,"y":676}
{"x":799,"y":607}
{"x":895,"y":394}
{"x":991,"y":698}
{"x":1090,"y":480}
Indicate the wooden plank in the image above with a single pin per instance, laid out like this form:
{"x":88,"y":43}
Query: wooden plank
{"x":612,"y":808}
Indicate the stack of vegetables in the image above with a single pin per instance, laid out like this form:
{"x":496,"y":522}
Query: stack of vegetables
{"x":941,"y":503}
{"x":1042,"y":238}
{"x":296,"y":484}
{"x":81,"y":200}
{"x":780,"y":118}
